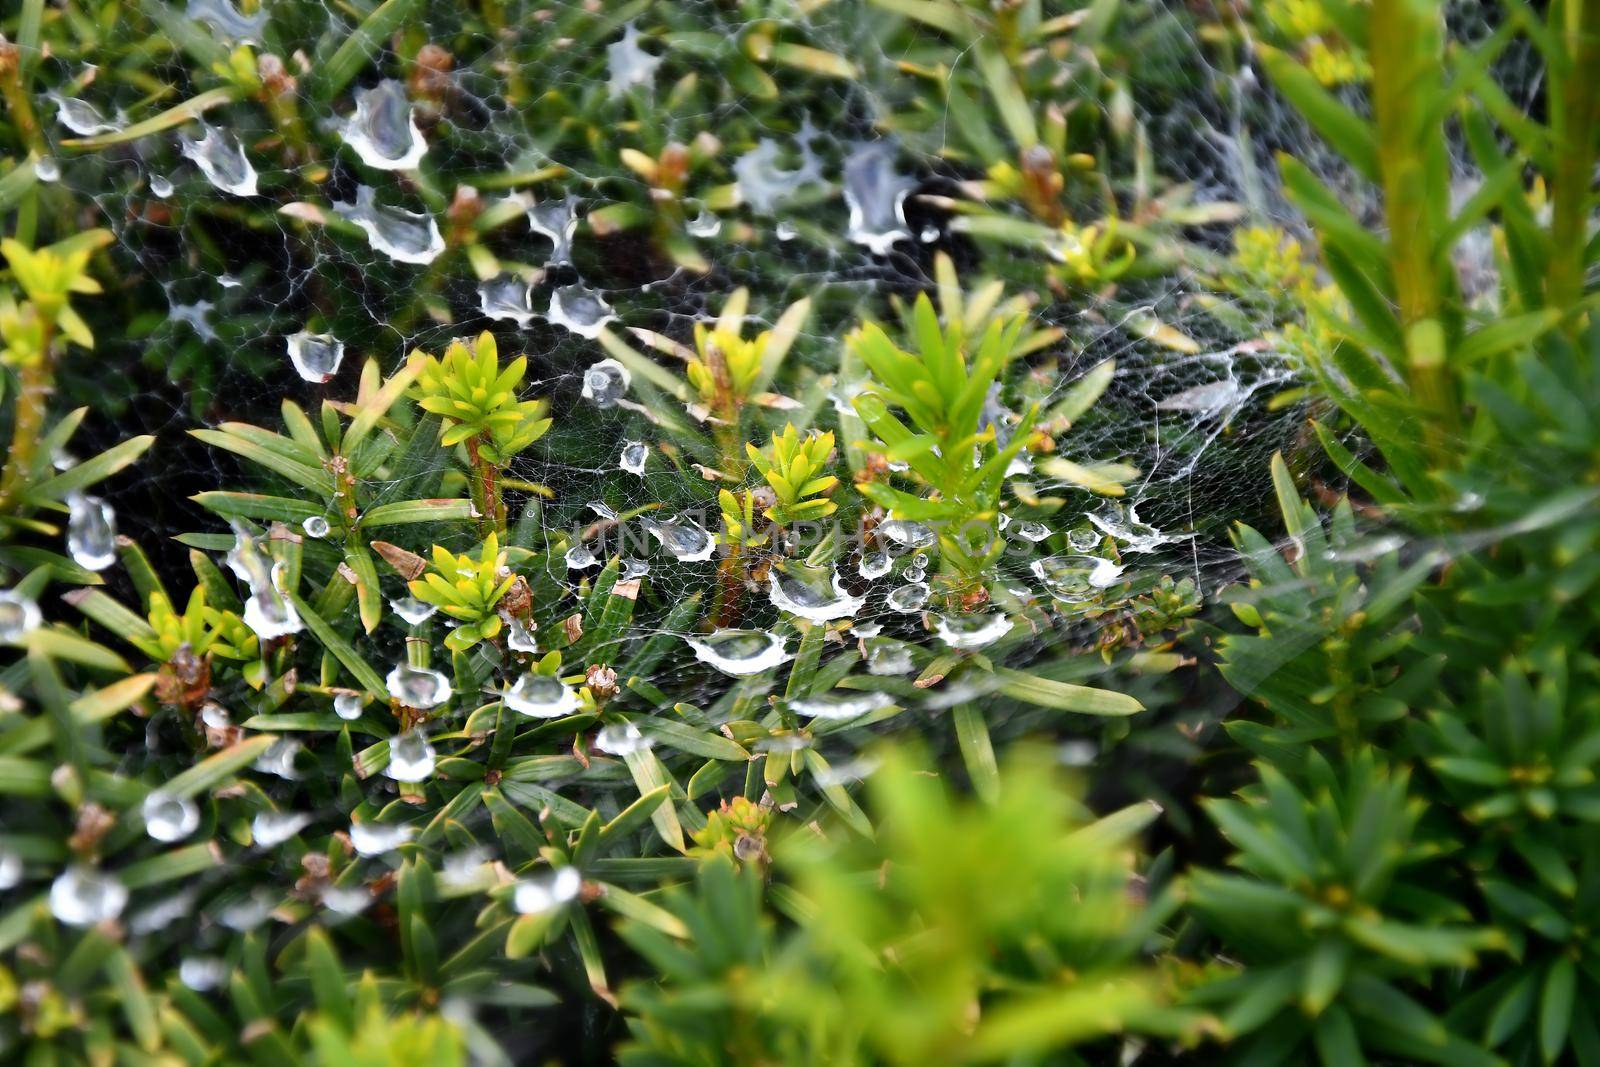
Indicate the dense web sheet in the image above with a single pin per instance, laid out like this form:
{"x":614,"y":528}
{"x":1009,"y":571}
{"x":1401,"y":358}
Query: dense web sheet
{"x":256,"y":260}
{"x":640,"y":181}
{"x":244,"y":280}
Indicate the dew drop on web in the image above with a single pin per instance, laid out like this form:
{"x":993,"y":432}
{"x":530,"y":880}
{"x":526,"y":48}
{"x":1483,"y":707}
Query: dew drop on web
{"x":91,"y":532}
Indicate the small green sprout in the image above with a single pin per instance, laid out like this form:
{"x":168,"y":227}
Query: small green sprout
{"x":207,"y":631}
{"x":726,"y":367}
{"x":737,"y":829}
{"x":1091,"y":255}
{"x":795,"y":469}
{"x":953,"y":451}
{"x":467,"y":590}
{"x":739,"y":520}
{"x":48,"y":277}
{"x":477,"y":401}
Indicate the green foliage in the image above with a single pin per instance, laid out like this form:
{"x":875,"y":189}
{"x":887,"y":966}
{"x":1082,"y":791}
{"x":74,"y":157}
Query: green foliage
{"x":201,"y":630}
{"x":1327,"y":908}
{"x":467,"y":590}
{"x":942,"y":389}
{"x":1379,"y":839}
{"x":795,"y":472}
{"x":476,"y":400}
{"x":943,"y":937}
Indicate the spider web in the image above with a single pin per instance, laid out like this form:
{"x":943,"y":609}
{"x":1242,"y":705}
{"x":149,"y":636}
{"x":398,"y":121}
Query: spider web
{"x":232,"y":277}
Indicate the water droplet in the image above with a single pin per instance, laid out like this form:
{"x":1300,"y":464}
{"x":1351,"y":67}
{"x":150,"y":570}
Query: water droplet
{"x":196,"y":316}
{"x":634,"y":568}
{"x":278,"y":759}
{"x":1065,"y":578}
{"x":91,"y":532}
{"x":1083,"y":540}
{"x":227,"y":21}
{"x":1105,"y":573}
{"x":418,"y":687}
{"x":246,"y":913}
{"x":506,"y":298}
{"x":1209,"y":398}
{"x":348,"y":706}
{"x":929,"y":234}
{"x":705,"y":224}
{"x":383,"y":131}
{"x":629,"y":65}
{"x":580,"y":309}
{"x":545,"y":893}
{"x":377,"y":839}
{"x":411,"y":758}
{"x":84,"y":896}
{"x":785,"y":231}
{"x":789,"y":593}
{"x":267,"y":611}
{"x":876,"y":195}
{"x":682,"y":538}
{"x":605,"y":383}
{"x":874,"y":565}
{"x":840,"y":705}
{"x":202,"y":973}
{"x":782,"y":742}
{"x":907,"y":534}
{"x":273,"y":828}
{"x":221,"y":159}
{"x":557,"y":220}
{"x":762,"y":181}
{"x":413,"y":611}
{"x":846,"y":773}
{"x":866,"y":629}
{"x":19,"y":616}
{"x":464,"y":869}
{"x":916,"y":570}
{"x":1137,"y":536}
{"x":215,"y":716}
{"x":316,"y":356}
{"x":47,"y":169}
{"x":346,"y":900}
{"x":1077,"y":753}
{"x":519,"y":638}
{"x":1031,"y":531}
{"x":269,"y":614}
{"x":634,"y":454}
{"x":740,"y":652}
{"x":162,"y":914}
{"x":908,"y":598}
{"x":541,"y":696}
{"x":168,"y":817}
{"x":82,"y":117}
{"x":10,"y":868}
{"x":404,"y":236}
{"x":579,"y":557}
{"x":316,"y":526}
{"x":621,"y":739}
{"x":972,"y":631}
{"x":161,"y":185}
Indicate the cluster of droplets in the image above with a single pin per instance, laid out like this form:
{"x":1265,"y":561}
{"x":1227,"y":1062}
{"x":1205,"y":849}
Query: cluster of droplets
{"x":267,"y":610}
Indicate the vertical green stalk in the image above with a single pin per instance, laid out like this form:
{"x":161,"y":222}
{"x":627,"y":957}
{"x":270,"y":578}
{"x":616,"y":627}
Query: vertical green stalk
{"x":33,"y":401}
{"x":486,"y":496}
{"x":1575,"y":123}
{"x":1406,"y":54}
{"x":14,"y":91}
